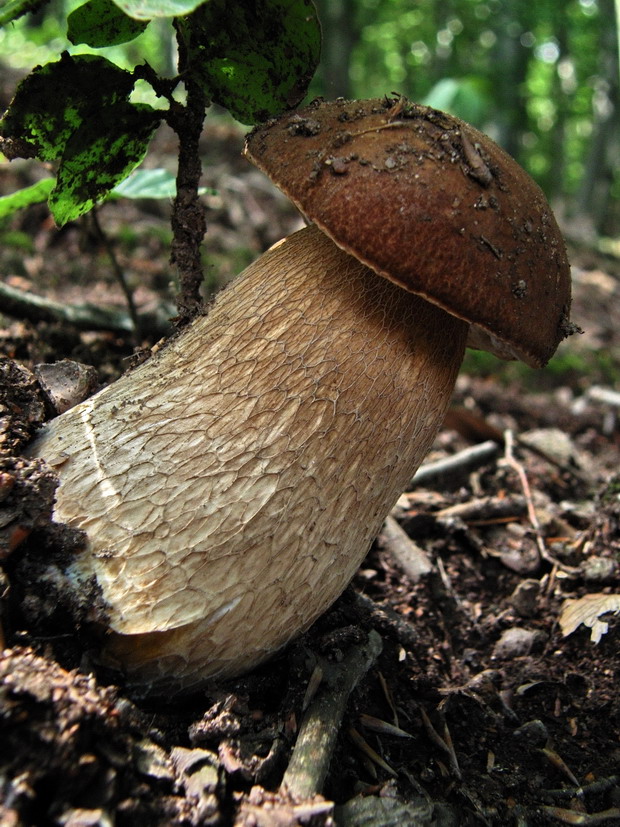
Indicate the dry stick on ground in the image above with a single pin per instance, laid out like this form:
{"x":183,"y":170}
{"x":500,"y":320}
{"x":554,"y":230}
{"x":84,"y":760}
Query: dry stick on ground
{"x":465,"y":461}
{"x":485,"y":510}
{"x":388,"y":621}
{"x":33,"y":308}
{"x":589,"y":819}
{"x":412,"y":559}
{"x":511,"y":461}
{"x":605,"y":395}
{"x":309,"y":763}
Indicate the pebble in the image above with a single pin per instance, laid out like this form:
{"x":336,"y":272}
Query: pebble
{"x":598,"y":569}
{"x":533,"y":734}
{"x":515,"y":643}
{"x":524,"y":597}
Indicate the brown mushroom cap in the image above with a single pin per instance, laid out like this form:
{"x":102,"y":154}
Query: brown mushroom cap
{"x":435,"y":206}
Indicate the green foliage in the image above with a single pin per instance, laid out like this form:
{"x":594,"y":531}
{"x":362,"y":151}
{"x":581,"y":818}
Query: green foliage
{"x":255,"y":59}
{"x":147,"y":183}
{"x":142,"y":184}
{"x":151,"y":9}
{"x":59,"y":99}
{"x":98,"y":156}
{"x":12,"y":9}
{"x":20,"y":241}
{"x":571,"y":366}
{"x":102,"y":23}
{"x":468,"y":98}
{"x":77,"y":111}
{"x":34,"y":194}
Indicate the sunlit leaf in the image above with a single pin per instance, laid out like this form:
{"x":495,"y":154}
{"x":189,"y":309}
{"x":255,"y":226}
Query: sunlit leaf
{"x":12,"y":9}
{"x":147,"y":183}
{"x":468,"y":98}
{"x":23,"y":198}
{"x":149,"y":9}
{"x":100,"y":155}
{"x":101,"y":23}
{"x":256,"y":59}
{"x":150,"y":183}
{"x":56,"y":99}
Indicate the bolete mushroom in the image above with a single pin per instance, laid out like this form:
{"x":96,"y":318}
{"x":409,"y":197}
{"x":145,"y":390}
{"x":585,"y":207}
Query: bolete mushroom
{"x":232,"y":484}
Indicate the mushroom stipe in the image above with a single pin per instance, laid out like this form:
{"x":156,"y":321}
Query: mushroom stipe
{"x":230,"y":486}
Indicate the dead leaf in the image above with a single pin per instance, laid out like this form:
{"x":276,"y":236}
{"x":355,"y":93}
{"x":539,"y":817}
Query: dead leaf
{"x":587,"y":610}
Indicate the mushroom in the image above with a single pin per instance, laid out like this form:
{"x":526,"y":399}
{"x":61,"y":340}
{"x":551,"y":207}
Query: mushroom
{"x":230,"y":486}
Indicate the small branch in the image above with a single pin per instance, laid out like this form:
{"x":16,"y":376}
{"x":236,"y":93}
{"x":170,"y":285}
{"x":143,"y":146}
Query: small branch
{"x":511,"y":461}
{"x":34,"y":308}
{"x":463,"y":462}
{"x":412,"y":559}
{"x":163,"y":87}
{"x":589,"y":819}
{"x":309,"y":763}
{"x":188,"y":220}
{"x":118,"y":271}
{"x":485,"y":510}
{"x":388,"y":621}
{"x":604,"y":395}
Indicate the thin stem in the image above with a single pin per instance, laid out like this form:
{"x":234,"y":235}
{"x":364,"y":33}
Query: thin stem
{"x":188,"y":215}
{"x":163,"y":87}
{"x":118,"y":271}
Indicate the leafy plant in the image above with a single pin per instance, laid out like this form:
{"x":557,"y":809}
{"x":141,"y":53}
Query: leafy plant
{"x":253,"y":57}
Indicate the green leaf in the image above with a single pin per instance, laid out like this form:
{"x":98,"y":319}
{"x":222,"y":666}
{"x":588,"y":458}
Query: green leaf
{"x":149,"y":9}
{"x":100,"y":155}
{"x":101,"y":23}
{"x":466,"y":97}
{"x":56,"y":99}
{"x":12,"y":9}
{"x":23,"y":198}
{"x":255,"y":59}
{"x":147,"y":183}
{"x":151,"y":183}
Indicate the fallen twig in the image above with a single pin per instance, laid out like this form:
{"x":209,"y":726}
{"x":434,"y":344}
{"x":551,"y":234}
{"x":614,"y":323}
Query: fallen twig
{"x":413,"y":560}
{"x":388,"y":621}
{"x":118,"y":272}
{"x":312,"y":754}
{"x":510,"y":460}
{"x":463,"y":462}
{"x":485,"y":510}
{"x":574,"y":817}
{"x":605,"y":395}
{"x":86,"y":316}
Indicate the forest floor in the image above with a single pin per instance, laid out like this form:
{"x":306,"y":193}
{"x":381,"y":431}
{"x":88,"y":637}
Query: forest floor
{"x":489,"y":701}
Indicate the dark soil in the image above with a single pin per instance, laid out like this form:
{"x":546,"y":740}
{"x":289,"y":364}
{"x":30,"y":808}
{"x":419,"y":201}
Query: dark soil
{"x":478,"y":709}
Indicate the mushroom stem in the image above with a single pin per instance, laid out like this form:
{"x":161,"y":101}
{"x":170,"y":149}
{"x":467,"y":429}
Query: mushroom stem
{"x":231,"y":485}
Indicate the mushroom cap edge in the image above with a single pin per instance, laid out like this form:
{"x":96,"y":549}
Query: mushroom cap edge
{"x":434,"y":205}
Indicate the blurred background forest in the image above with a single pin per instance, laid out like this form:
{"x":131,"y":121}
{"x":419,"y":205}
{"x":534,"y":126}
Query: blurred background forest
{"x":541,"y":78}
